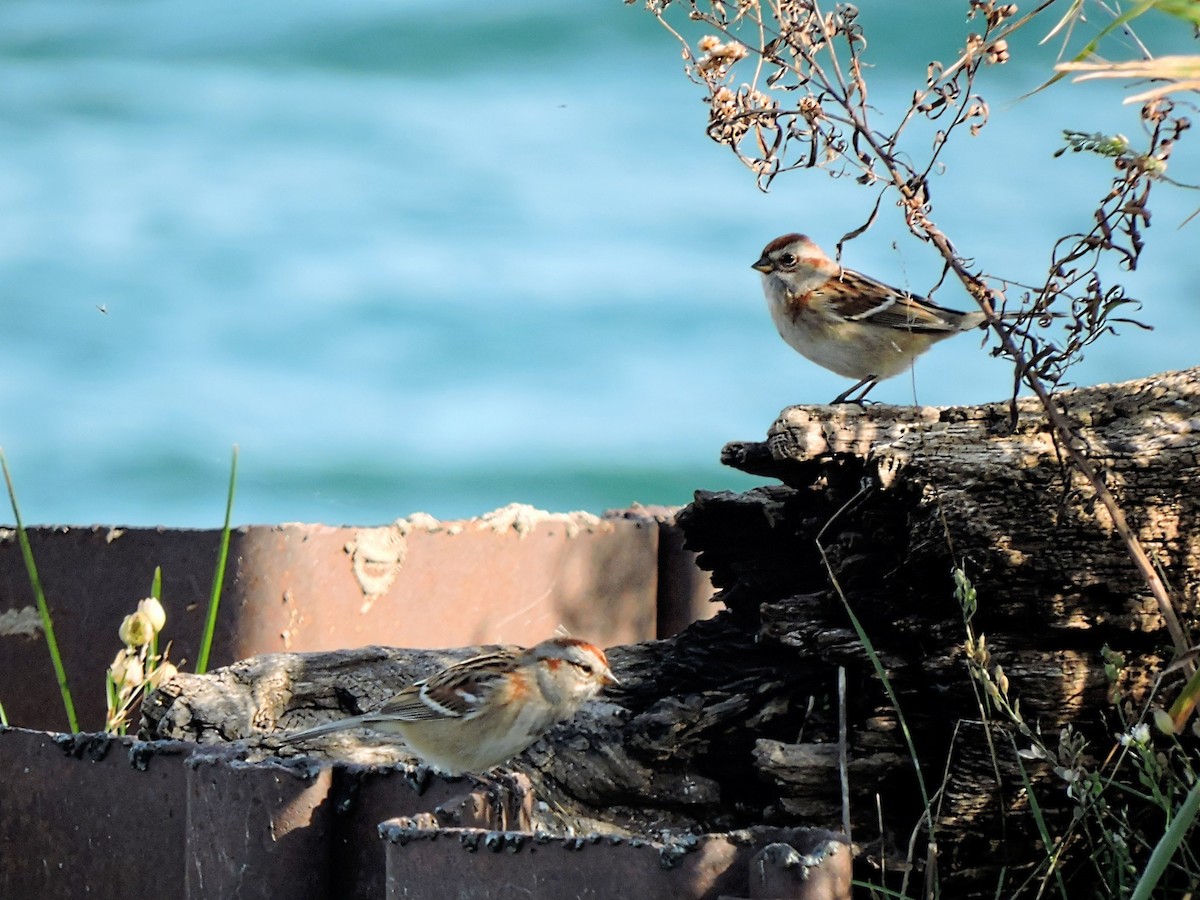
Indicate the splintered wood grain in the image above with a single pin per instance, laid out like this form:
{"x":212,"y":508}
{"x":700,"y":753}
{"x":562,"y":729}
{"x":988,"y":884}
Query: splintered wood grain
{"x":998,"y":489}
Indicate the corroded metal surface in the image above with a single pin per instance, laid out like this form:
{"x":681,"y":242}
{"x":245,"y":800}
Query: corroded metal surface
{"x":92,"y":814}
{"x":256,"y":832}
{"x":781,"y":872}
{"x":95,"y":815}
{"x":512,"y":576}
{"x":457,"y":584}
{"x":89,"y":815}
{"x":476,"y":864}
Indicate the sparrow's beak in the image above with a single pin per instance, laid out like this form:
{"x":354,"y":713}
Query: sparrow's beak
{"x":763,"y":265}
{"x":607,"y":678}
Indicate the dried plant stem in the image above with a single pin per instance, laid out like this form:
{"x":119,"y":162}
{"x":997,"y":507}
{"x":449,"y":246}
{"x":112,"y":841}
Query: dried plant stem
{"x":843,"y":754}
{"x":1069,"y":441}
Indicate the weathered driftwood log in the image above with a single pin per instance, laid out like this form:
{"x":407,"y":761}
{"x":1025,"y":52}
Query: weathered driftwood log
{"x":736,"y":720}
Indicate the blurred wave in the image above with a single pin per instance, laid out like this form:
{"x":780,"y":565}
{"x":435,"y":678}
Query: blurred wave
{"x":418,"y":258}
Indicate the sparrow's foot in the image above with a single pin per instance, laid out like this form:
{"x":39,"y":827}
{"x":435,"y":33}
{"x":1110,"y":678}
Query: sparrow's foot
{"x":866,"y":384}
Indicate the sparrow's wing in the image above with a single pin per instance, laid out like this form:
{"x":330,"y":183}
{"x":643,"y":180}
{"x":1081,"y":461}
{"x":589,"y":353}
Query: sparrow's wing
{"x":459,"y":691}
{"x":860,"y":298}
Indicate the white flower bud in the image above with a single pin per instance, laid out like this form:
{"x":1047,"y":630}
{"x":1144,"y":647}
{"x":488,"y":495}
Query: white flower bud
{"x":1163,"y":721}
{"x":136,"y":629}
{"x":153,"y":611}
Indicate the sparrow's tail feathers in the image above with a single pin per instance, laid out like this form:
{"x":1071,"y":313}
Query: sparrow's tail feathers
{"x":326,"y":728}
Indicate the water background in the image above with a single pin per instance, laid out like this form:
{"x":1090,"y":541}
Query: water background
{"x":413,"y":257}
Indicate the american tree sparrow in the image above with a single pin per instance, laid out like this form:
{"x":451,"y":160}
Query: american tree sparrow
{"x":847,"y":322}
{"x":476,"y":714}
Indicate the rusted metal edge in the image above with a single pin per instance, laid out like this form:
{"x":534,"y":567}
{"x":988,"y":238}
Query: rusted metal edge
{"x":480,"y":864}
{"x":200,"y":822}
{"x":615,"y":579}
{"x":173,"y":819}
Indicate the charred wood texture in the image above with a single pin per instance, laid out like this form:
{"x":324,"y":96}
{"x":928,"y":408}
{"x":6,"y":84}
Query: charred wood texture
{"x":736,"y":720}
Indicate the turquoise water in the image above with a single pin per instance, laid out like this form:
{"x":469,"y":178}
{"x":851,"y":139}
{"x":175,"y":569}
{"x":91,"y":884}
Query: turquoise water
{"x":413,"y":259}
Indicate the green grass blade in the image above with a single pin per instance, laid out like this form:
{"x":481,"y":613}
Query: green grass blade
{"x":881,"y":671}
{"x":43,"y":607}
{"x":214,"y":599}
{"x":1090,"y":48}
{"x":1168,"y":844}
{"x":156,"y":593}
{"x":110,"y":699}
{"x":1182,"y":708}
{"x":1035,"y":809}
{"x":3,"y":716}
{"x":1188,"y":10}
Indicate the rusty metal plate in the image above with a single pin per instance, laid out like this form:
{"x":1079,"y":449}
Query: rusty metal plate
{"x":88,"y":813}
{"x":80,"y":817}
{"x":512,"y":576}
{"x":447,"y":584}
{"x":94,"y":815}
{"x":474,"y":864}
{"x":256,"y":832}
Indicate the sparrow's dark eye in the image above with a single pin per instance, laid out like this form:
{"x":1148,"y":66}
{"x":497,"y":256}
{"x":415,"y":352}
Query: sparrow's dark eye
{"x":788,"y":260}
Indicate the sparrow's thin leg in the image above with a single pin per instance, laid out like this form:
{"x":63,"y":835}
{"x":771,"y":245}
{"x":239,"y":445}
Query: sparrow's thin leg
{"x":870,"y":381}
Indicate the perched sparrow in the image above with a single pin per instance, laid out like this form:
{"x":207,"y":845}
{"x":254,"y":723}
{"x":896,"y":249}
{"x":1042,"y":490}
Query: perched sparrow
{"x":849,"y":323}
{"x":481,"y":712}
